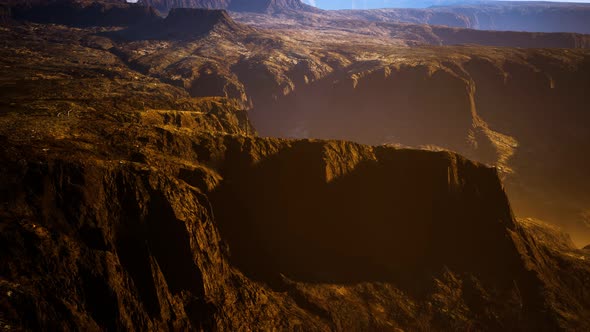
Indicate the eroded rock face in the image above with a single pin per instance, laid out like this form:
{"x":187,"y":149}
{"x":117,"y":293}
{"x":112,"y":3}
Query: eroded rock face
{"x":128,"y":204}
{"x":310,"y":81}
{"x":206,"y":227}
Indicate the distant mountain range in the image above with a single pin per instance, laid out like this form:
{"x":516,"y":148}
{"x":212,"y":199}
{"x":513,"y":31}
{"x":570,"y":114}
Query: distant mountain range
{"x":373,"y":4}
{"x":376,"y":4}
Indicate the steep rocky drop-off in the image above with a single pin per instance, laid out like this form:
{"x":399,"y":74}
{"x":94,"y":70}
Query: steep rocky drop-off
{"x":128,"y":204}
{"x":330,"y":80}
{"x":315,"y":82}
{"x":120,"y":216}
{"x":507,"y":107}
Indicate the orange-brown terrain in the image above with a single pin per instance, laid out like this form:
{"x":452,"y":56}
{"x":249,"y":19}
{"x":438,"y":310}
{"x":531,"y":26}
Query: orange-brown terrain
{"x":282,"y":168}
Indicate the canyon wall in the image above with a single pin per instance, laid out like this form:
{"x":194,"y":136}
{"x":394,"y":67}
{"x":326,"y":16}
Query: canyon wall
{"x":133,"y":198}
{"x":194,"y":228}
{"x":512,"y":112}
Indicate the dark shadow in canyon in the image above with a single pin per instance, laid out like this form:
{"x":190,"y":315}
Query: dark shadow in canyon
{"x":541,"y":103}
{"x":395,"y":219}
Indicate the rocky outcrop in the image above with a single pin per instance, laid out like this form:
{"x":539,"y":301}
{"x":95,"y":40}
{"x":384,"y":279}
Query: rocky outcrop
{"x":147,"y":241}
{"x":128,"y":204}
{"x":487,"y":108}
{"x":480,"y":101}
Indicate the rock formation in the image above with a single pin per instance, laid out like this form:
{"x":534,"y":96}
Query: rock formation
{"x":136,"y":195}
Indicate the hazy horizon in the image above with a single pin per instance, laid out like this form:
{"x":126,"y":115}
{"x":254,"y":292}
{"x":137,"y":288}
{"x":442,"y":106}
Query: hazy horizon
{"x":371,"y":4}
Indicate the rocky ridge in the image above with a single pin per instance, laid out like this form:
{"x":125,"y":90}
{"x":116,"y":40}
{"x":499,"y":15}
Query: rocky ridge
{"x":116,"y":178}
{"x":312,"y":82}
{"x":116,"y":207}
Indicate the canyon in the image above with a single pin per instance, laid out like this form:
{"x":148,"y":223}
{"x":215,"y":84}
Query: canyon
{"x":284,"y":169}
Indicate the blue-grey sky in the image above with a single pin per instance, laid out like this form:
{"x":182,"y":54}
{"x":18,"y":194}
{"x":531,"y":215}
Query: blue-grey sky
{"x":366,"y":4}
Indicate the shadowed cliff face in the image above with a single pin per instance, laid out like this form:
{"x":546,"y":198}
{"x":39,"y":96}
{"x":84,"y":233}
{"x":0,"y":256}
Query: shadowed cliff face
{"x":481,"y":102}
{"x":207,"y":227}
{"x":344,"y":213}
{"x":499,"y":110}
{"x":126,"y":203}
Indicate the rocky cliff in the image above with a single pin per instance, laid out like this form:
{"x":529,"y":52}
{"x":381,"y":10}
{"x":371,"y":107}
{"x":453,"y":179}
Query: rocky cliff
{"x":498,"y":110}
{"x":383,"y":83}
{"x":149,"y":243}
{"x":131,"y":201}
{"x":129,"y":205}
